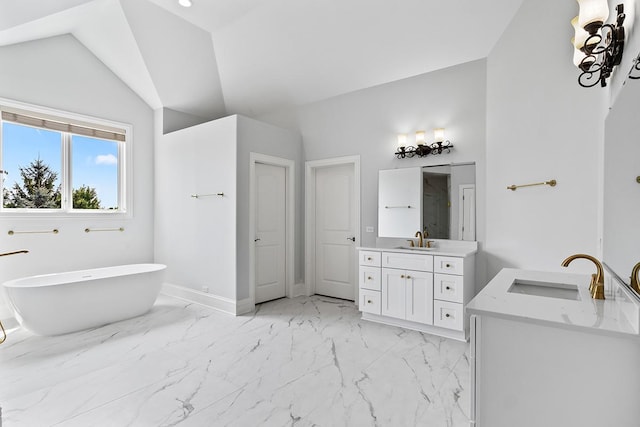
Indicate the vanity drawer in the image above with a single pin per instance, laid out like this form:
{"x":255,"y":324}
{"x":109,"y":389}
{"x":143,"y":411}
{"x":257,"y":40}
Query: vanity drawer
{"x":369,"y":258}
{"x":370,"y":301}
{"x":370,"y":278}
{"x":417,"y":262}
{"x":448,"y":288}
{"x":448,"y":315}
{"x":448,"y":265}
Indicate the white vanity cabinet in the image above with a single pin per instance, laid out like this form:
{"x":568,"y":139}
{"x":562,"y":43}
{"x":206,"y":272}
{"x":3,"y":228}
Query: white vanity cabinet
{"x":554,"y":362}
{"x":425,"y":291}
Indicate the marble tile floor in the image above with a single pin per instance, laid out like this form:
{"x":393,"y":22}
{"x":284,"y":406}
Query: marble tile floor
{"x":308,"y":361}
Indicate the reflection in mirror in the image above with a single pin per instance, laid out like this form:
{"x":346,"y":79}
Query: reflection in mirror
{"x":621,"y":233}
{"x":439,"y":199}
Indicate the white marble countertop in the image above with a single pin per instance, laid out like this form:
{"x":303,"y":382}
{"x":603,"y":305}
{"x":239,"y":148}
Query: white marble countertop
{"x":443,"y":251}
{"x":616,"y":315}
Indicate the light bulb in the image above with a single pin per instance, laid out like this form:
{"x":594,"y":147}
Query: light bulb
{"x":438,"y":135}
{"x":420,"y":139}
{"x":402,"y":140}
{"x":593,"y":13}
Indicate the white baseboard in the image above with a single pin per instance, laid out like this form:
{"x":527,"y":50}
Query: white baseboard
{"x":299,"y":290}
{"x":245,"y":306}
{"x":216,"y":302}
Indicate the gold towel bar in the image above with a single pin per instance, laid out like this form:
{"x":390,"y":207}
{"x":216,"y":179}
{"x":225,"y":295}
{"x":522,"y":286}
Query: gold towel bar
{"x":197,"y":196}
{"x":551,"y":183}
{"x":54,"y":231}
{"x":88,"y":230}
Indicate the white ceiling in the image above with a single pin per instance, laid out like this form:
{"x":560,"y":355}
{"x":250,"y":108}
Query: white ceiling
{"x":251,"y":56}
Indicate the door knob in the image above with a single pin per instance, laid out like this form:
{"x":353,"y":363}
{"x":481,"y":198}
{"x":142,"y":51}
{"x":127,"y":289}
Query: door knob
{"x":353,"y":239}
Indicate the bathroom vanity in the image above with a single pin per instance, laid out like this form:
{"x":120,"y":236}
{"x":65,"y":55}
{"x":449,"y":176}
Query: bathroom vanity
{"x":544,"y":353}
{"x":424,"y":289}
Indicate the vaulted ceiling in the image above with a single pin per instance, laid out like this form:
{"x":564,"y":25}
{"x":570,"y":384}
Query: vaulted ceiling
{"x":222,"y":57}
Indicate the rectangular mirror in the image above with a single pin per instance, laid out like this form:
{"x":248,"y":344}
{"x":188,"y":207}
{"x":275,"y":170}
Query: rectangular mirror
{"x":621,"y":233}
{"x":440,"y":199}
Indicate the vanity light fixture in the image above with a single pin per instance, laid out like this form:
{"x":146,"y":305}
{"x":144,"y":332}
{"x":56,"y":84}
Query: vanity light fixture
{"x":598,"y":46}
{"x":422,"y":148}
{"x":185,"y":3}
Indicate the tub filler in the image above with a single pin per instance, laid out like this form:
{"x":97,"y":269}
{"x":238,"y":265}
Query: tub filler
{"x":60,"y":303}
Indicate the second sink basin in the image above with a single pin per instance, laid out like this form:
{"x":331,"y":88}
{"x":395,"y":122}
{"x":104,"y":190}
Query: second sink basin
{"x":544,"y":289}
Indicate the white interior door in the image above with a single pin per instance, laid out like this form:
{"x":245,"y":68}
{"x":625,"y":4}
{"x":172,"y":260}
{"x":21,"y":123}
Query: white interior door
{"x":467,"y":217}
{"x":335,"y":231}
{"x":270,"y":239}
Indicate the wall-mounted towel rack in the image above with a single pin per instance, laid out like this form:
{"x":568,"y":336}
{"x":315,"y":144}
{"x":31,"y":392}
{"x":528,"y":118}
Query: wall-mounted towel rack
{"x":399,"y":207}
{"x":89,"y":230}
{"x":551,"y":183}
{"x":12,"y":232}
{"x":197,"y":196}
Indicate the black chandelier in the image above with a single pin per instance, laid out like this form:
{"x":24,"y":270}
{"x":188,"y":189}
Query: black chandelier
{"x":422,"y":149}
{"x":599,"y":46}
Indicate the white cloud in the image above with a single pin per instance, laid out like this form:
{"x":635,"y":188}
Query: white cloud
{"x":106,"y":159}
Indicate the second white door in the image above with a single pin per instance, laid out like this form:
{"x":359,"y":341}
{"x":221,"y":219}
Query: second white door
{"x":270,"y":239}
{"x":335,"y":231}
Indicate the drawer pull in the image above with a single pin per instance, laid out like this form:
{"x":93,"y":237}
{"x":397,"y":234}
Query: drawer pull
{"x":369,"y":278}
{"x":369,"y":301}
{"x":447,"y":315}
{"x":369,"y":258}
{"x":408,"y":277}
{"x":448,"y":288}
{"x":448,"y":265}
{"x":402,"y":276}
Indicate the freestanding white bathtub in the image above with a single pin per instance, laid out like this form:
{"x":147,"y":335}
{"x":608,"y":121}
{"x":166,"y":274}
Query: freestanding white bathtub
{"x":60,"y":303}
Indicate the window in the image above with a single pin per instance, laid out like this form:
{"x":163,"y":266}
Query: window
{"x":52,"y":163}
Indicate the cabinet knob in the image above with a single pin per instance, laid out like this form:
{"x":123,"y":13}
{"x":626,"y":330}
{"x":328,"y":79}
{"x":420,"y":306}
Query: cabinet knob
{"x":369,"y":278}
{"x":369,"y":258}
{"x":447,"y":315}
{"x":369,"y":301}
{"x":448,"y":288}
{"x":447,"y":265}
{"x":402,"y":276}
{"x":408,"y":277}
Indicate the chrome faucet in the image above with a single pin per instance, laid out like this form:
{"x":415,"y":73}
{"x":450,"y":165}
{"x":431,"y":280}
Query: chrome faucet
{"x":596,"y":287}
{"x":634,"y":278}
{"x":419,"y":236}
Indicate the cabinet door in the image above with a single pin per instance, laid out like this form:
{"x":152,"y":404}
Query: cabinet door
{"x":393,"y":293}
{"x":419,"y":297}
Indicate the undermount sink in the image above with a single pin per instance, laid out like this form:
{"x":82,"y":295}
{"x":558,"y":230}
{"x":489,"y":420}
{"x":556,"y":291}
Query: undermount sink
{"x":545,"y":289}
{"x":414,"y":248}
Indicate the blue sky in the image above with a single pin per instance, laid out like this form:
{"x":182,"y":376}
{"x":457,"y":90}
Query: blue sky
{"x":94,"y":162}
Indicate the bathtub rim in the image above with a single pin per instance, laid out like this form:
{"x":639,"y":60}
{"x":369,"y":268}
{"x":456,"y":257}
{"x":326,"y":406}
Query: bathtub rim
{"x":77,"y":276}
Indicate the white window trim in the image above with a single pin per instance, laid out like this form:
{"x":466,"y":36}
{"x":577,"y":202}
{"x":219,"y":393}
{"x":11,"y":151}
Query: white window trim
{"x":125,"y":162}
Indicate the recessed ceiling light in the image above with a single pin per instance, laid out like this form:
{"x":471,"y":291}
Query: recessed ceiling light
{"x":185,"y":3}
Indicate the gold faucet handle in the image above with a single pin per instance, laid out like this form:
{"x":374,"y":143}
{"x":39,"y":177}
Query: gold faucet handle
{"x":635,"y":285}
{"x":411,"y":244}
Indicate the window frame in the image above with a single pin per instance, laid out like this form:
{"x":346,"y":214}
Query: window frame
{"x":124,"y":174}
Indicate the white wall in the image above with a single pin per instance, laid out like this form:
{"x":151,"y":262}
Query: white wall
{"x":258,"y":137}
{"x":541,"y":125}
{"x":366,"y":122}
{"x":196,"y":238}
{"x":60,"y":73}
